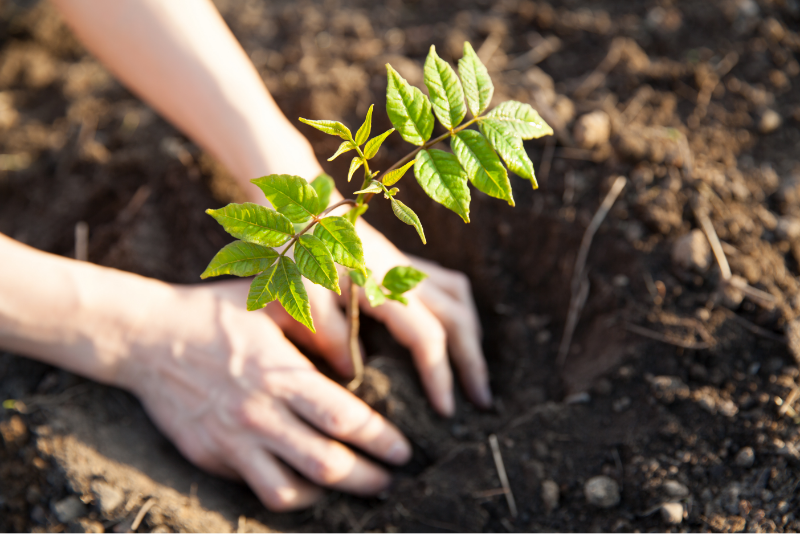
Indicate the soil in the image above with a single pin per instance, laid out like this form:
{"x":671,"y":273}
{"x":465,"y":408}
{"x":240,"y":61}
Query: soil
{"x":676,"y":387}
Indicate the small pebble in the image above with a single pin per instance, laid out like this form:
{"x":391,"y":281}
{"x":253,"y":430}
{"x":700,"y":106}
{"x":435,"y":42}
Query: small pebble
{"x":550,"y":495}
{"x":601,"y":491}
{"x":770,"y":121}
{"x":593,"y":129}
{"x":692,"y":252}
{"x":69,"y":509}
{"x":673,"y":488}
{"x":672,"y":513}
{"x":746,"y":457}
{"x":107,"y":496}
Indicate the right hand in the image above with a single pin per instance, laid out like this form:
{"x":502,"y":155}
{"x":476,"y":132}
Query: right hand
{"x":238,"y":399}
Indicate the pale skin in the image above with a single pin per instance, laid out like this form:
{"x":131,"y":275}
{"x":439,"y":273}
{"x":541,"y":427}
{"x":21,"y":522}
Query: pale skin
{"x":226,"y":385}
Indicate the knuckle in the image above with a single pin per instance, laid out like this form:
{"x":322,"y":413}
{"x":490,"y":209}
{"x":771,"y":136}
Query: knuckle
{"x":325,"y":471}
{"x":462,"y":284}
{"x":276,"y":500}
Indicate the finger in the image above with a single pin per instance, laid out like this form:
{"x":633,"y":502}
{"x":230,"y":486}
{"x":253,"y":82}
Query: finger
{"x":340,"y":414}
{"x":416,"y":328}
{"x":454,"y":283}
{"x":463,"y":340}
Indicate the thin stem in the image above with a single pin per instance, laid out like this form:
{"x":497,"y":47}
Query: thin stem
{"x":354,"y":324}
{"x":314,"y":220}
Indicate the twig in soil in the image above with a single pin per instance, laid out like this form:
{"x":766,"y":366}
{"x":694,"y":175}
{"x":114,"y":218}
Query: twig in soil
{"x":81,"y":241}
{"x":355,"y":350}
{"x":790,"y":399}
{"x":580,"y":283}
{"x":646,"y":332}
{"x":489,"y":47}
{"x":544,"y":48}
{"x":547,"y":159}
{"x":501,"y":472}
{"x":754,"y":328}
{"x":142,"y":512}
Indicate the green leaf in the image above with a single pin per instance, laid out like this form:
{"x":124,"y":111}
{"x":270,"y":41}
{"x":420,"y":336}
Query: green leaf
{"x":392,"y":177}
{"x":483,"y":167}
{"x":374,"y":293}
{"x":354,"y":165}
{"x":358,"y":277}
{"x":442,"y":178}
{"x":407,"y":215}
{"x":331,"y":128}
{"x":262,"y":290}
{"x":254,"y":224}
{"x":403,"y":278}
{"x":324,"y":186}
{"x":478,"y":85}
{"x":346,"y":146}
{"x":523,"y":120}
{"x":399,"y":298}
{"x":290,"y":195}
{"x":510,"y":149}
{"x":240,"y":259}
{"x":363,"y":133}
{"x":288,"y":285}
{"x":355,"y":213}
{"x":315,"y":262}
{"x":408,"y":109}
{"x":340,"y":236}
{"x":373,"y":187}
{"x":447,"y":95}
{"x":374,"y":144}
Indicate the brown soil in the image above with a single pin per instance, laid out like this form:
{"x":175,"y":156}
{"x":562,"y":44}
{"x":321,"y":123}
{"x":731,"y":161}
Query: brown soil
{"x":704,"y":111}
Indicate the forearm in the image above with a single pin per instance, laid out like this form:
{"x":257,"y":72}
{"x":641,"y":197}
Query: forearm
{"x":182,"y":59}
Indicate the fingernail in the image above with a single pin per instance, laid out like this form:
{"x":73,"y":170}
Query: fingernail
{"x":399,"y":453}
{"x":483,"y":397}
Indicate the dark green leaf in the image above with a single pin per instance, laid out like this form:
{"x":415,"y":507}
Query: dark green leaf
{"x":408,"y":109}
{"x":324,"y":186}
{"x":483,"y":167}
{"x":331,"y":128}
{"x":290,"y":195}
{"x":254,"y":224}
{"x":358,"y":277}
{"x":392,"y":177}
{"x":355,"y":213}
{"x":240,"y":259}
{"x":510,"y":149}
{"x":354,"y":165}
{"x":478,"y":85}
{"x":447,"y":95}
{"x":524,"y":121}
{"x":442,"y":178}
{"x":374,"y":144}
{"x":403,"y":278}
{"x":372,"y":187}
{"x":407,"y":215}
{"x":363,"y":133}
{"x":399,"y":298}
{"x":315,"y":262}
{"x":346,"y":146}
{"x":340,"y":236}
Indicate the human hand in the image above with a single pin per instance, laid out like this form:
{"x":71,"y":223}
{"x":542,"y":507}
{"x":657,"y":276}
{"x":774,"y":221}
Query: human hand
{"x":238,"y":399}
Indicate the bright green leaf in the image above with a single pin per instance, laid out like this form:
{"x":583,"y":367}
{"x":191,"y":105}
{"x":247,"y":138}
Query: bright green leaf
{"x":282,"y":281}
{"x":358,"y":277}
{"x":315,"y":262}
{"x":373,"y":187}
{"x":399,"y":298}
{"x":240,"y":259}
{"x":374,"y":293}
{"x":408,"y":109}
{"x":510,"y":149}
{"x":442,"y":178}
{"x":324,"y":186}
{"x":290,"y":195}
{"x":340,"y":236}
{"x":478,"y":85}
{"x":393,"y":191}
{"x":261,"y":289}
{"x":346,"y":146}
{"x":254,"y":224}
{"x":522,"y":119}
{"x":392,"y":177}
{"x":354,"y":165}
{"x":447,"y":95}
{"x":403,"y":278}
{"x":483,"y":167}
{"x":363,"y":133}
{"x":355,"y":213}
{"x":331,"y":128}
{"x":375,"y":143}
{"x":407,"y":215}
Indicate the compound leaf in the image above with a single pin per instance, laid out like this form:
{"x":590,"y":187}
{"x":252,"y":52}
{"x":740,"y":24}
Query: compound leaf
{"x":408,"y":109}
{"x":315,"y":262}
{"x":373,"y":187}
{"x":346,"y":146}
{"x":407,"y":215}
{"x":478,"y":85}
{"x":340,"y":236}
{"x":483,"y":167}
{"x":522,"y":119}
{"x":354,"y":165}
{"x":324,"y":186}
{"x":510,"y":148}
{"x":331,"y":128}
{"x":290,"y":195}
{"x":392,"y":177}
{"x":375,"y":143}
{"x":403,"y":278}
{"x":447,"y":95}
{"x":442,"y":178}
{"x":254,"y":224}
{"x":363,"y":133}
{"x":355,"y":213}
{"x":240,"y":259}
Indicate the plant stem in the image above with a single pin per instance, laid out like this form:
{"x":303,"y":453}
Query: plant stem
{"x":314,"y":220}
{"x":355,"y":351}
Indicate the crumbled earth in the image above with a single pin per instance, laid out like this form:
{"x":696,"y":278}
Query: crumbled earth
{"x":678,"y":386}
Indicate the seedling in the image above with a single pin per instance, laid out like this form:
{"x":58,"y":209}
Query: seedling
{"x":300,"y":221}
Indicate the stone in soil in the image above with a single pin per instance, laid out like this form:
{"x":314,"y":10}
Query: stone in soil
{"x":692,"y":252}
{"x":69,"y":509}
{"x":550,"y":495}
{"x":107,"y":496}
{"x":601,"y":491}
{"x":672,"y":513}
{"x":673,"y":488}
{"x":745,"y":457}
{"x":593,"y":129}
